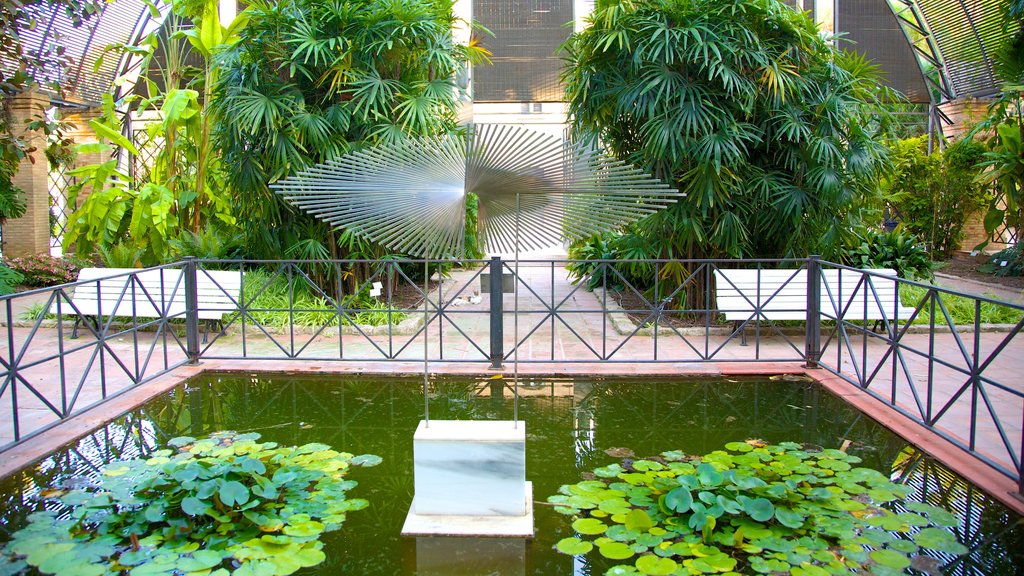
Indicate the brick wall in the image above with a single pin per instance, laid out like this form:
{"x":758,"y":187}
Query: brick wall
{"x":30,"y":234}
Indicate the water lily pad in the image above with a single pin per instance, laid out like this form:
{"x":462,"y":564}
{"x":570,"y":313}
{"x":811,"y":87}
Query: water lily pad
{"x":573,"y":546}
{"x":615,"y":550}
{"x":788,"y":517}
{"x":679,"y":500}
{"x":637,"y":519}
{"x":656,"y":566}
{"x":589,"y":526}
{"x":760,"y":509}
{"x":890,"y":559}
{"x":939,"y":539}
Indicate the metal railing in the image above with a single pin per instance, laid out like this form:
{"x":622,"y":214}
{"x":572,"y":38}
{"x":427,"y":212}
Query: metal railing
{"x":925,"y":351}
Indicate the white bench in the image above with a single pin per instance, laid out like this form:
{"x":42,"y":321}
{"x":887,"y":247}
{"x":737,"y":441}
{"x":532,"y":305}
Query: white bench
{"x":155,"y":293}
{"x":782,"y":295}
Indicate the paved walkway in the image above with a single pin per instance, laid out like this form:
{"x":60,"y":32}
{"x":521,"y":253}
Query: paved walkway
{"x":929,"y":376}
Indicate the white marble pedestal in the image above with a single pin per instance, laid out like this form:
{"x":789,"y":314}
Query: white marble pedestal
{"x":470,"y":480}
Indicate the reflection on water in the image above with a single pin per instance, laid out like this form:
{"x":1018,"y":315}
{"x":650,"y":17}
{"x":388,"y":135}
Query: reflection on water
{"x":571,"y":427}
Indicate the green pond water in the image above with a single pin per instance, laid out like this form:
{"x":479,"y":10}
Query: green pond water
{"x":572,"y":427}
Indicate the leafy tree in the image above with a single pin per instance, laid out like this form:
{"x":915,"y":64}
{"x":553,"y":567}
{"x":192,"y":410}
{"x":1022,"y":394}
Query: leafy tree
{"x":772,"y":133}
{"x":309,"y":81}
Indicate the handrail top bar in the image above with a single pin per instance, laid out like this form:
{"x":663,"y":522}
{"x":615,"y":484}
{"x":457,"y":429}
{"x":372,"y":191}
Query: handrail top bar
{"x":133,"y":272}
{"x":550,"y":261}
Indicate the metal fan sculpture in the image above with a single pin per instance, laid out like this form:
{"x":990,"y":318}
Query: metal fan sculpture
{"x":534,"y":190}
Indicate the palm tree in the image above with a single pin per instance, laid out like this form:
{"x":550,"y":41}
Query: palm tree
{"x":773,"y":133}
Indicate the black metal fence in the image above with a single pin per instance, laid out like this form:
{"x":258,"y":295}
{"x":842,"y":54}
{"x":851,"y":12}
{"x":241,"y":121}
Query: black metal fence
{"x":948,"y":361}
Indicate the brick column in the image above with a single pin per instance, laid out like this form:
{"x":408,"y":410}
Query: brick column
{"x":30,"y":234}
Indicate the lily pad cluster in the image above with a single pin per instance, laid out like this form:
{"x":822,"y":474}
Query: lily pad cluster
{"x":751,"y":508}
{"x":226,"y":504}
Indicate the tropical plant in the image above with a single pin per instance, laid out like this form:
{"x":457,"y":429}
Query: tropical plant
{"x":934,"y":194}
{"x":309,"y":81}
{"x":184,"y":190}
{"x":9,"y":279}
{"x":897,"y":250}
{"x":227,"y":504}
{"x":772,"y":133}
{"x":786,"y":508}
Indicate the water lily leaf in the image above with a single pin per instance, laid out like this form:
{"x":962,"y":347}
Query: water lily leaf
{"x":655,"y":566}
{"x":589,"y":526}
{"x":193,"y":506}
{"x":252,"y":466}
{"x":233,"y":492}
{"x":739,"y":447}
{"x":621,"y":533}
{"x":614,"y":506}
{"x":256,"y":568}
{"x":939,"y":539}
{"x":935,"y":514}
{"x":366,"y":460}
{"x":807,"y":569}
{"x":905,"y":546}
{"x":637,"y":519}
{"x":788,"y":517}
{"x":610,"y":471}
{"x":647,"y":465}
{"x":708,"y":475}
{"x":679,"y":500}
{"x":759,"y":509}
{"x":154,"y":513}
{"x":615,"y":550}
{"x":573,"y":546}
{"x":200,"y":560}
{"x":890,"y":559}
{"x":180,"y":441}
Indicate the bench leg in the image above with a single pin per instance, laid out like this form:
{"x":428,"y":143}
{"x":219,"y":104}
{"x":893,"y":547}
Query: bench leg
{"x":74,"y":330}
{"x":743,"y":333}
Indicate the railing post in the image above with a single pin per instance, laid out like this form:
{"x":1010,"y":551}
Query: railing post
{"x":191,"y":311}
{"x":497,"y":313}
{"x":812,"y":342}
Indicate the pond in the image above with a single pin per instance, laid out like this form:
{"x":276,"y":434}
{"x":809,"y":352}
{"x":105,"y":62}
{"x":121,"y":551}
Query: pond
{"x":573,"y":426}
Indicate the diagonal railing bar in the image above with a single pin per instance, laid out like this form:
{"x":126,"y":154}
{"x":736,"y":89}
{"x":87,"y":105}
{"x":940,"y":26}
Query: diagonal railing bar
{"x":551,"y":311}
{"x":1003,"y":344}
{"x":658,"y":311}
{"x":896,"y":348}
{"x":997,"y":421}
{"x":615,"y":271}
{"x":245,"y":308}
{"x":757,"y":316}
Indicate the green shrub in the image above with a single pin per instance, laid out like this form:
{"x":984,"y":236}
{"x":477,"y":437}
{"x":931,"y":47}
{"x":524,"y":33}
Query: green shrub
{"x":934,"y":194}
{"x":897,"y":250}
{"x":44,"y":270}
